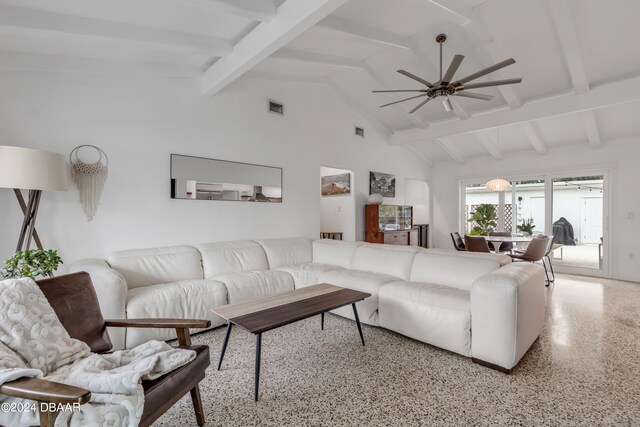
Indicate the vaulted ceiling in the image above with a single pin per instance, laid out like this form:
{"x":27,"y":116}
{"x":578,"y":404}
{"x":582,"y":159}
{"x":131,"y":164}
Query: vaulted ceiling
{"x":578,"y":60}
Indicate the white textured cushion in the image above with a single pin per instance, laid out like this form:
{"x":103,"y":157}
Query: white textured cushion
{"x":435,"y":314}
{"x":334,"y":252}
{"x":307,"y":274}
{"x":284,"y":252}
{"x":255,"y":284}
{"x":232,"y":257}
{"x":451,"y":269}
{"x":188,"y":299}
{"x":361,"y":281}
{"x":385,"y":259}
{"x":144,"y":267}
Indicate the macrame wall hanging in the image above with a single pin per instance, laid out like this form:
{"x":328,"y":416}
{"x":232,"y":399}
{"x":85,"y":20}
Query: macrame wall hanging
{"x":90,"y":178}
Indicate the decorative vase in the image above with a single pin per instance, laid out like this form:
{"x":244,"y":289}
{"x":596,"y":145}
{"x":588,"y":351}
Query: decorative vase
{"x":375,"y":199}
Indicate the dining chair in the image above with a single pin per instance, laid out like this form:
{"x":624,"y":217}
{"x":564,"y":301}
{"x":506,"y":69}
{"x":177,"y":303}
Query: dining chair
{"x":458,"y":243}
{"x":536,"y":251}
{"x":74,"y":301}
{"x":506,"y":246}
{"x":476,"y":244}
{"x":550,"y":248}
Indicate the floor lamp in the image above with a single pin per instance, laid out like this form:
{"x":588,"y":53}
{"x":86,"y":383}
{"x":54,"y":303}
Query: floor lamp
{"x":36,"y":171}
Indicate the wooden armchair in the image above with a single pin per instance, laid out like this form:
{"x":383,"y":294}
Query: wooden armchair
{"x":74,"y":300}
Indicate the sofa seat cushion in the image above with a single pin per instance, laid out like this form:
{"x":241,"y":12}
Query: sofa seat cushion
{"x":363,"y":281}
{"x":255,"y":284}
{"x":434,"y":314}
{"x":308,"y":274}
{"x":144,"y":267}
{"x":186,"y":299}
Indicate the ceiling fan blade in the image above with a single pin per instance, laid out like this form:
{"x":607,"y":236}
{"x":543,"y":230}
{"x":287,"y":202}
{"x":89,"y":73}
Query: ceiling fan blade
{"x":488,"y":70}
{"x":416,"y":78}
{"x":406,"y":99}
{"x":475,"y":95}
{"x":420,"y":105}
{"x":401,"y":90}
{"x":453,"y":67}
{"x":493,"y":83}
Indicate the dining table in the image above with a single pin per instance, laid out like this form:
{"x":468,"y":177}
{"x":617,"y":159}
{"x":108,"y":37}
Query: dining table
{"x":497,"y":241}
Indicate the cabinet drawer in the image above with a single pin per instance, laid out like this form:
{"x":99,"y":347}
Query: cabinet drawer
{"x":397,"y":238}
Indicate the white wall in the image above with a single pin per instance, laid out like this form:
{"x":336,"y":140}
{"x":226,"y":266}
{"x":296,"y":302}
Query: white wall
{"x":338,"y":212}
{"x":620,"y":157}
{"x":139,"y":122}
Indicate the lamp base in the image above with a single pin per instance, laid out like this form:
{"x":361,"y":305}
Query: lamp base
{"x":29,"y":210}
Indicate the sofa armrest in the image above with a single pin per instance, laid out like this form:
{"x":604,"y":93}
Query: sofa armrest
{"x":507,"y":314}
{"x":111,"y":289}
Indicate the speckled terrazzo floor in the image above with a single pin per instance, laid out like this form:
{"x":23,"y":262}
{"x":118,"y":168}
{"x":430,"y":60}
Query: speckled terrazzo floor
{"x":584,"y":370}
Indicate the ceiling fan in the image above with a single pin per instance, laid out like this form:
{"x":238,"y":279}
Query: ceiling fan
{"x":446,"y":87}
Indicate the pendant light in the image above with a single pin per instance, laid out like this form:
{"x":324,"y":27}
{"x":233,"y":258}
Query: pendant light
{"x":498,"y":184}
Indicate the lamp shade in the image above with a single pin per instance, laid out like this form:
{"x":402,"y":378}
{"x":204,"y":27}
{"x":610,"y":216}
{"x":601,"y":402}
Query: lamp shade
{"x":498,"y":184}
{"x":30,"y":169}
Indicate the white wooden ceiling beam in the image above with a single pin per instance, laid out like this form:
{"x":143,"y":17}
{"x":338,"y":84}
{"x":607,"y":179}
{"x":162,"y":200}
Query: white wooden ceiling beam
{"x":531,"y":130}
{"x":479,"y":34}
{"x":456,"y":11}
{"x":403,"y":107}
{"x":359,"y":108}
{"x":568,"y":37}
{"x":29,"y":22}
{"x":593,"y":131}
{"x":451,"y":149}
{"x":615,"y":93}
{"x":293,"y":18}
{"x":356,"y":29}
{"x":490,"y":143}
{"x":257,"y":10}
{"x":291,"y":55}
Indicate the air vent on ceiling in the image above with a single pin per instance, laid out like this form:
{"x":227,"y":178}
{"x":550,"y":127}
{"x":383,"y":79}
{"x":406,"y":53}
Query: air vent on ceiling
{"x":359,"y":131}
{"x":276,"y":107}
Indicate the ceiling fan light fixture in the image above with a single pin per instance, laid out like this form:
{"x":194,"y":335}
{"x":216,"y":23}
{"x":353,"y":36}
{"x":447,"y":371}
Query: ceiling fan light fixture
{"x":448,"y":106}
{"x":498,"y":184}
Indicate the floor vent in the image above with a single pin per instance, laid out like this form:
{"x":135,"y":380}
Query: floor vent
{"x":276,"y":107}
{"x":359,"y":131}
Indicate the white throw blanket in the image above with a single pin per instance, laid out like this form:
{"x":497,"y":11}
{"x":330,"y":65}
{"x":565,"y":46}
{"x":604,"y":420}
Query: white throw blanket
{"x":34,"y":344}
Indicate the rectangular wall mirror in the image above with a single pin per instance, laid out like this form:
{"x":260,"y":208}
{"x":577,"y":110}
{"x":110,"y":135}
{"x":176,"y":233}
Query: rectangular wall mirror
{"x":200,"y":178}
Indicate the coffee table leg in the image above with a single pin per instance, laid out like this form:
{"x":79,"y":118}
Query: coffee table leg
{"x":322,"y":321}
{"x":257,"y":380}
{"x":224,"y":344}
{"x":355,"y":313}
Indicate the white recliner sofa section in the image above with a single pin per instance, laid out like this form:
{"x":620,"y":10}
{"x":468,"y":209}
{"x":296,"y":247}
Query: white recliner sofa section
{"x":477,"y":305}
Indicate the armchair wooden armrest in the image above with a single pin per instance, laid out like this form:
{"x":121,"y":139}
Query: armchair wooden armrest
{"x":45,"y":391}
{"x":49,"y":392}
{"x":181,"y":325}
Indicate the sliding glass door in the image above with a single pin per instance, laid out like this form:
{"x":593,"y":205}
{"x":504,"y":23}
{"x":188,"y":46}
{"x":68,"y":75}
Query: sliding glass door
{"x":573,"y":207}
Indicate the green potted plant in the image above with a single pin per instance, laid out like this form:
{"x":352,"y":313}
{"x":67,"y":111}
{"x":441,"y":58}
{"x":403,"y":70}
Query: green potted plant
{"x":527,"y":226}
{"x":31,"y":263}
{"x":485,"y":220}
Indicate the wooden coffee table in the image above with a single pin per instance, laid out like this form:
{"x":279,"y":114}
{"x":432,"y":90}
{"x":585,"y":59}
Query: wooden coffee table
{"x":263,"y":314}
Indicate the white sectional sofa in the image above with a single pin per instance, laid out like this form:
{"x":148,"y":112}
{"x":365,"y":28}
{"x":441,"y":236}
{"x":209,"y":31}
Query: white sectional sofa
{"x":477,"y":305}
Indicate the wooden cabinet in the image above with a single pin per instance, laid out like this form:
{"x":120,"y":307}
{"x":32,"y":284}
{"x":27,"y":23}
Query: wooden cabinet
{"x":389,"y":224}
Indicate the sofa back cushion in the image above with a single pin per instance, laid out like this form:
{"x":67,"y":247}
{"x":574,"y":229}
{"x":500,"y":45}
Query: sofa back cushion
{"x":385,"y":259}
{"x":144,"y":267}
{"x":286,"y":252}
{"x":334,"y":252}
{"x":232,"y":257}
{"x":455,"y":269}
